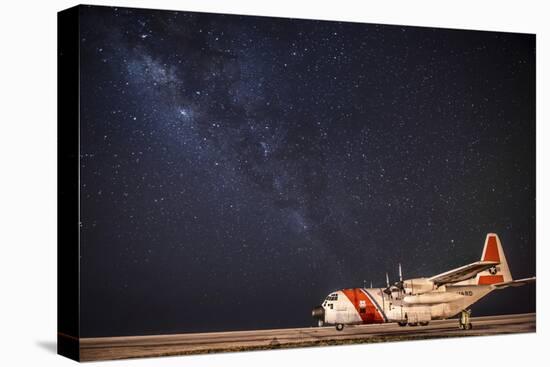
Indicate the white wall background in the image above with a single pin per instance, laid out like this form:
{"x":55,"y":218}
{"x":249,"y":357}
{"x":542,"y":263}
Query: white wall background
{"x":28,"y":180}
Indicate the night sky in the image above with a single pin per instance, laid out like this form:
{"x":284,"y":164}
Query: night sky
{"x":235,"y":170}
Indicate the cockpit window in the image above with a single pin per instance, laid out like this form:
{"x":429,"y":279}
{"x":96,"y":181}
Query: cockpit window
{"x":332,"y":297}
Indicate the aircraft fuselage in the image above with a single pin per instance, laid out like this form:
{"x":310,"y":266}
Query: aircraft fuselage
{"x":373,"y":305}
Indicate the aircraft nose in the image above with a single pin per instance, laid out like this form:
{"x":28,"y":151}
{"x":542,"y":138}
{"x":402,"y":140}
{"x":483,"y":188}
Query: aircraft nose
{"x":318,"y":313}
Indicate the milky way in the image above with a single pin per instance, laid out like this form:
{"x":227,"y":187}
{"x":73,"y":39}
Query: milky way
{"x":235,"y":170}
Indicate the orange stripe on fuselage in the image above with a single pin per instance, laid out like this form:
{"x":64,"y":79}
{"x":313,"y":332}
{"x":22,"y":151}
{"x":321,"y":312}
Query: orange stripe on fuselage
{"x":490,"y":279}
{"x":491,"y":252}
{"x":371,"y":314}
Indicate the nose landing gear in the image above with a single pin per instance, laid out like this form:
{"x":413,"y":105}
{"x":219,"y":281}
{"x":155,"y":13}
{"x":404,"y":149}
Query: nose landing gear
{"x":339,"y":327}
{"x":464,"y":320}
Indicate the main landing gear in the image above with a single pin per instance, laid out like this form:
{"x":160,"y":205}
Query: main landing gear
{"x":339,"y":327}
{"x":421,"y":323}
{"x":464,"y":320}
{"x":406,"y":322}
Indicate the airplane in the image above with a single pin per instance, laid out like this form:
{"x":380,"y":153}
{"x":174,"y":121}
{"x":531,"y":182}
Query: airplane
{"x":417,"y":301}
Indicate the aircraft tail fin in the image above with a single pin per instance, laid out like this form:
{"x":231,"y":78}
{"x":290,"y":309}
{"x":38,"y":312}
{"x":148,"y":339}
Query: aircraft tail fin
{"x":492,"y":251}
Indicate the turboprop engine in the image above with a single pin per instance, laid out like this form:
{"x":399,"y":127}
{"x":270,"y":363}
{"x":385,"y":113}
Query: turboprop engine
{"x":418,"y":286}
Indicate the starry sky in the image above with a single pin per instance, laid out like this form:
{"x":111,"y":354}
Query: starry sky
{"x":234,"y":170}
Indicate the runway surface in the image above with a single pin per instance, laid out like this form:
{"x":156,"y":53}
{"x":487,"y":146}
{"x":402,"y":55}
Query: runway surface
{"x":92,"y":349}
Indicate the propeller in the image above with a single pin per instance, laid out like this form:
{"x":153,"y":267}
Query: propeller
{"x":400,"y":274}
{"x":399,"y":284}
{"x":388,"y":289}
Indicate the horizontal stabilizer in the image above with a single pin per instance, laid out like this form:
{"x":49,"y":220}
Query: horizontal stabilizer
{"x":513,"y":283}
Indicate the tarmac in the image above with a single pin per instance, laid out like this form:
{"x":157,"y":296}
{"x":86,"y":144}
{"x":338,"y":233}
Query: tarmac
{"x":105,"y":348}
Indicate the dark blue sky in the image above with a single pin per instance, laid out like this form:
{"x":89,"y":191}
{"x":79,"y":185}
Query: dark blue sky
{"x":235,"y":170}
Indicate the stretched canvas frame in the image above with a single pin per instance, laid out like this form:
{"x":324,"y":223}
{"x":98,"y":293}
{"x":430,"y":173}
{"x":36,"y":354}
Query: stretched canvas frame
{"x":225,"y":177}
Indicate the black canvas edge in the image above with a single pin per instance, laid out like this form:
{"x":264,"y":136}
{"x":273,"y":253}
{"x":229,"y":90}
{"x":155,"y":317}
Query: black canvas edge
{"x":68,"y":162}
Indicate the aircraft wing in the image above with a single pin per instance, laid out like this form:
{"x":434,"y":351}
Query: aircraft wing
{"x":463,"y":273}
{"x":514,"y":283}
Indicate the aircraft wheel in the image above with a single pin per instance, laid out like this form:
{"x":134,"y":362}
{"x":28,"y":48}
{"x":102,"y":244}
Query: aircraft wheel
{"x":321,"y":323}
{"x":402,"y":323}
{"x":424,"y":323}
{"x":339,"y":327}
{"x":464,"y":320}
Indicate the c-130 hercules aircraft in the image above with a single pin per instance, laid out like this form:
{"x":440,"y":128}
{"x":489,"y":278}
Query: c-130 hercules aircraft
{"x":418,"y":301}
